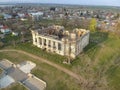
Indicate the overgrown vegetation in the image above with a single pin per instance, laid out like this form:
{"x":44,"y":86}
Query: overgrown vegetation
{"x":93,"y":24}
{"x":100,"y":61}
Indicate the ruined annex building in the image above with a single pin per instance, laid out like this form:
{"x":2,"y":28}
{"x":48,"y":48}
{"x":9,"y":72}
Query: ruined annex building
{"x":56,"y":39}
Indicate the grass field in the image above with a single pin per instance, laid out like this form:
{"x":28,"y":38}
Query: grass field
{"x":56,"y":80}
{"x":99,"y":64}
{"x":101,"y":60}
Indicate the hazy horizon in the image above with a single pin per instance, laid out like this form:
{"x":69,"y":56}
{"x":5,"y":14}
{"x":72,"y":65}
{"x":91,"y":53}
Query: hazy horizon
{"x":74,"y":2}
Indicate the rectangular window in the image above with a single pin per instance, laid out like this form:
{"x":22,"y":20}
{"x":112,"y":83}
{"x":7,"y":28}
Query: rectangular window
{"x":59,"y":46}
{"x":40,"y":41}
{"x":45,"y":42}
{"x":54,"y":45}
{"x":35,"y":39}
{"x":49,"y":43}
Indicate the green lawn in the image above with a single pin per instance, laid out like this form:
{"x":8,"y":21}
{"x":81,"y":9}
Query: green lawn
{"x":29,"y":47}
{"x":103,"y":60}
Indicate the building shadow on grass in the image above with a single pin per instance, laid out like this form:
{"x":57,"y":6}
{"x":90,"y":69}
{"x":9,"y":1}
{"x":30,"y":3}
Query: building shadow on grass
{"x":96,"y":38}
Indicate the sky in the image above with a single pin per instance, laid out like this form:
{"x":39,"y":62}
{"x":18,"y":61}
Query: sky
{"x":80,"y":2}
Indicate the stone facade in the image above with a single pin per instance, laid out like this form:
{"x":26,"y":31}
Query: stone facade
{"x":56,"y":39}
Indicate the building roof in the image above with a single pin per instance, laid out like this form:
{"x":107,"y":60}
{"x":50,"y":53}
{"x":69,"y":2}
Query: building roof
{"x":17,"y":74}
{"x":5,"y":64}
{"x":20,"y":74}
{"x":26,"y":66}
{"x":34,"y":83}
{"x":36,"y":13}
{"x":4,"y":27}
{"x":58,"y":32}
{"x":6,"y":81}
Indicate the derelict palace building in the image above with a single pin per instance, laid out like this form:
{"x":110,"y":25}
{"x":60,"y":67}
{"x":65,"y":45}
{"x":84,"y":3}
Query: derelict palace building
{"x":56,"y":39}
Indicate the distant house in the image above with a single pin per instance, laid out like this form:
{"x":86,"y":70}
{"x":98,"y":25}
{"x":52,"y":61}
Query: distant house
{"x":61,"y":15}
{"x":7,"y":16}
{"x":1,"y":26}
{"x":36,"y":16}
{"x":15,"y":33}
{"x":5,"y":30}
{"x":21,"y":15}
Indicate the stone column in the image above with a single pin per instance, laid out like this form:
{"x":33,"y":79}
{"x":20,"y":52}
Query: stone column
{"x":47,"y":43}
{"x":63,"y":48}
{"x":34,"y":37}
{"x":51,"y":45}
{"x":56,"y":45}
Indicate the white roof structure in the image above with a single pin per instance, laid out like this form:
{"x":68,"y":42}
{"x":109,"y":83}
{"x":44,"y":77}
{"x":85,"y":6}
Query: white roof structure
{"x":27,"y":66}
{"x":37,"y":13}
{"x":34,"y":83}
{"x":5,"y":64}
{"x":20,"y":73}
{"x":6,"y":81}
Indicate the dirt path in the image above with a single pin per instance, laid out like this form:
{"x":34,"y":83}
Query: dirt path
{"x":70,"y":73}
